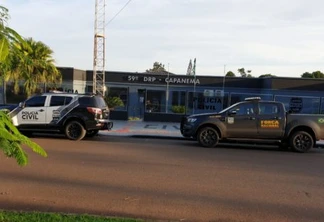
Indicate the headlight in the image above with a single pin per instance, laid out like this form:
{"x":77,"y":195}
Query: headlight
{"x":191,"y":120}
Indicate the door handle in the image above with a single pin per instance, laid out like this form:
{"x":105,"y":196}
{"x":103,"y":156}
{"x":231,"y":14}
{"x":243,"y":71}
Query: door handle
{"x":251,"y":118}
{"x":41,"y":110}
{"x":277,"y":117}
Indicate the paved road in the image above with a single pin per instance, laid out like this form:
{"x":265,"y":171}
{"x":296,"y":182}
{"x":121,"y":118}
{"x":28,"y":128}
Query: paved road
{"x":166,"y":179}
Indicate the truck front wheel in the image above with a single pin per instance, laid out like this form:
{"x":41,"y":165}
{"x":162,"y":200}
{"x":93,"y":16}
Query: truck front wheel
{"x":208,"y":137}
{"x":301,"y":141}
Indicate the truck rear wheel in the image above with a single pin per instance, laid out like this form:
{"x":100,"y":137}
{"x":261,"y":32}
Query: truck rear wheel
{"x":301,"y":141}
{"x":208,"y":137}
{"x":74,"y":130}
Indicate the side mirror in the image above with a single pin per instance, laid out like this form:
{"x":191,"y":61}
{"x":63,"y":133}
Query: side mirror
{"x":232,"y":113}
{"x":21,"y":105}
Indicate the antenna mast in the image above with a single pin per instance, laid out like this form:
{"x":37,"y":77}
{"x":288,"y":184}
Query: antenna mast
{"x":99,"y":49}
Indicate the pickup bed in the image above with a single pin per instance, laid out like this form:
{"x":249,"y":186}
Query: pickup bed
{"x":256,"y":120}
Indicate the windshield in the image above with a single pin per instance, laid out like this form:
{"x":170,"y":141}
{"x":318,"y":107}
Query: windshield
{"x":228,"y":108}
{"x":94,"y":101}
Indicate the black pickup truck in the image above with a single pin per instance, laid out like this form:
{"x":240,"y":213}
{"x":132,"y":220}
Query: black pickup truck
{"x":255,"y":120}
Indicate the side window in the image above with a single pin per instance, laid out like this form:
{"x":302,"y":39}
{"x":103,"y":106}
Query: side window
{"x":244,"y":109}
{"x":87,"y":101}
{"x":268,"y":109}
{"x":68,"y":99}
{"x":57,"y":100}
{"x":60,"y":100}
{"x":36,"y":101}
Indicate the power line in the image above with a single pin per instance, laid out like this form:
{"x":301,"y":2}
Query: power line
{"x":118,"y":12}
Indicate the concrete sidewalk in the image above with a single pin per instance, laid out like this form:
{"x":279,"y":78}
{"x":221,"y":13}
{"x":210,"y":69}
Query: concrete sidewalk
{"x":151,"y":129}
{"x":140,"y":128}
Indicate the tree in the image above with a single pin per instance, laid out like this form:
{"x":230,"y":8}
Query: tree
{"x":266,"y":75}
{"x":32,"y":62}
{"x":307,"y":75}
{"x":157,"y":68}
{"x":10,"y":138}
{"x":249,"y":74}
{"x":7,"y":37}
{"x":242,"y":72}
{"x":245,"y":74}
{"x":230,"y":74}
{"x":316,"y":75}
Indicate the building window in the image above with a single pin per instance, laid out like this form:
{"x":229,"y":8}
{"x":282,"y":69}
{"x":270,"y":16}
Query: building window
{"x":122,"y":94}
{"x":200,"y":103}
{"x":89,"y":88}
{"x":155,"y":101}
{"x":177,"y":102}
{"x":300,"y":104}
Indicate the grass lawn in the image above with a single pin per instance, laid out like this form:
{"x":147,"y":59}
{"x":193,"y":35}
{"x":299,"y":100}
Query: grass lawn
{"x":11,"y":216}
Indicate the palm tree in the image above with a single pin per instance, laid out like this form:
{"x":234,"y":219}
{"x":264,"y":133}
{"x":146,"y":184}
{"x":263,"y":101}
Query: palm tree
{"x":7,"y":35}
{"x":32,"y":62}
{"x":10,"y":138}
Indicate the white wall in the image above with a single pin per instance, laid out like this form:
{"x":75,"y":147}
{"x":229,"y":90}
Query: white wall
{"x":79,"y":85}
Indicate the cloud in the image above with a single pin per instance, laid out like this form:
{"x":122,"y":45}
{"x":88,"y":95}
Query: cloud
{"x":280,"y":37}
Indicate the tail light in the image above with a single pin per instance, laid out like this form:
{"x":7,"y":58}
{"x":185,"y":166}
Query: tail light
{"x":94,"y":110}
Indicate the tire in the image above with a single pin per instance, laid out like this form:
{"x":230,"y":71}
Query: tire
{"x":301,"y":141}
{"x":74,"y":130}
{"x":92,"y":133}
{"x":208,"y":137}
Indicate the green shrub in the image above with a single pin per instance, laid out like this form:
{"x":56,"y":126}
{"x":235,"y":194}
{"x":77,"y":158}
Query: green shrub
{"x":132,"y":118}
{"x":178,"y":109}
{"x":114,"y":101}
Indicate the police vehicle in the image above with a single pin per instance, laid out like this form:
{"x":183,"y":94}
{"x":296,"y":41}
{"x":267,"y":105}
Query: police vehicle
{"x":75,"y":115}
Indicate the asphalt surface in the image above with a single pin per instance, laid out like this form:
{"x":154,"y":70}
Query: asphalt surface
{"x":166,"y":180}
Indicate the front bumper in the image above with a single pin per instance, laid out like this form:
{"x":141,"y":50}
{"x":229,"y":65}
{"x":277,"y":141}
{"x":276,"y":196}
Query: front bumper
{"x":105,"y":124}
{"x":187,"y":129}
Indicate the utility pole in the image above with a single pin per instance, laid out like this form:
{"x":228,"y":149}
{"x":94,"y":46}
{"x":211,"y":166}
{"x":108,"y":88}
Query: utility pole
{"x":223,"y":90}
{"x":224,"y":78}
{"x":194,"y":87}
{"x":99,"y":84}
{"x":167,"y":93}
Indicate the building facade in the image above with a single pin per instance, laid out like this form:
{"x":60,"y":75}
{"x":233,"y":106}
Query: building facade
{"x":168,"y":97}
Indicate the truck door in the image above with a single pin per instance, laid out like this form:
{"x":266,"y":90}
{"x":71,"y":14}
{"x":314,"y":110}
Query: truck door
{"x":56,"y":104}
{"x":241,"y":121}
{"x":33,"y":112}
{"x":270,"y":120}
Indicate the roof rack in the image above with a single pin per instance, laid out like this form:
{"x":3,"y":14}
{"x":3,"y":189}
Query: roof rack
{"x":63,"y":92}
{"x":56,"y":91}
{"x":252,"y":98}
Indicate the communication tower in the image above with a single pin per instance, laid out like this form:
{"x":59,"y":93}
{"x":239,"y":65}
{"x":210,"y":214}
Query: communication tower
{"x":99,"y":86}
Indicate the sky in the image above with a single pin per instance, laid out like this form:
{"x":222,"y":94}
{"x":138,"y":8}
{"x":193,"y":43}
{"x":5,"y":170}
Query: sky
{"x":280,"y":37}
